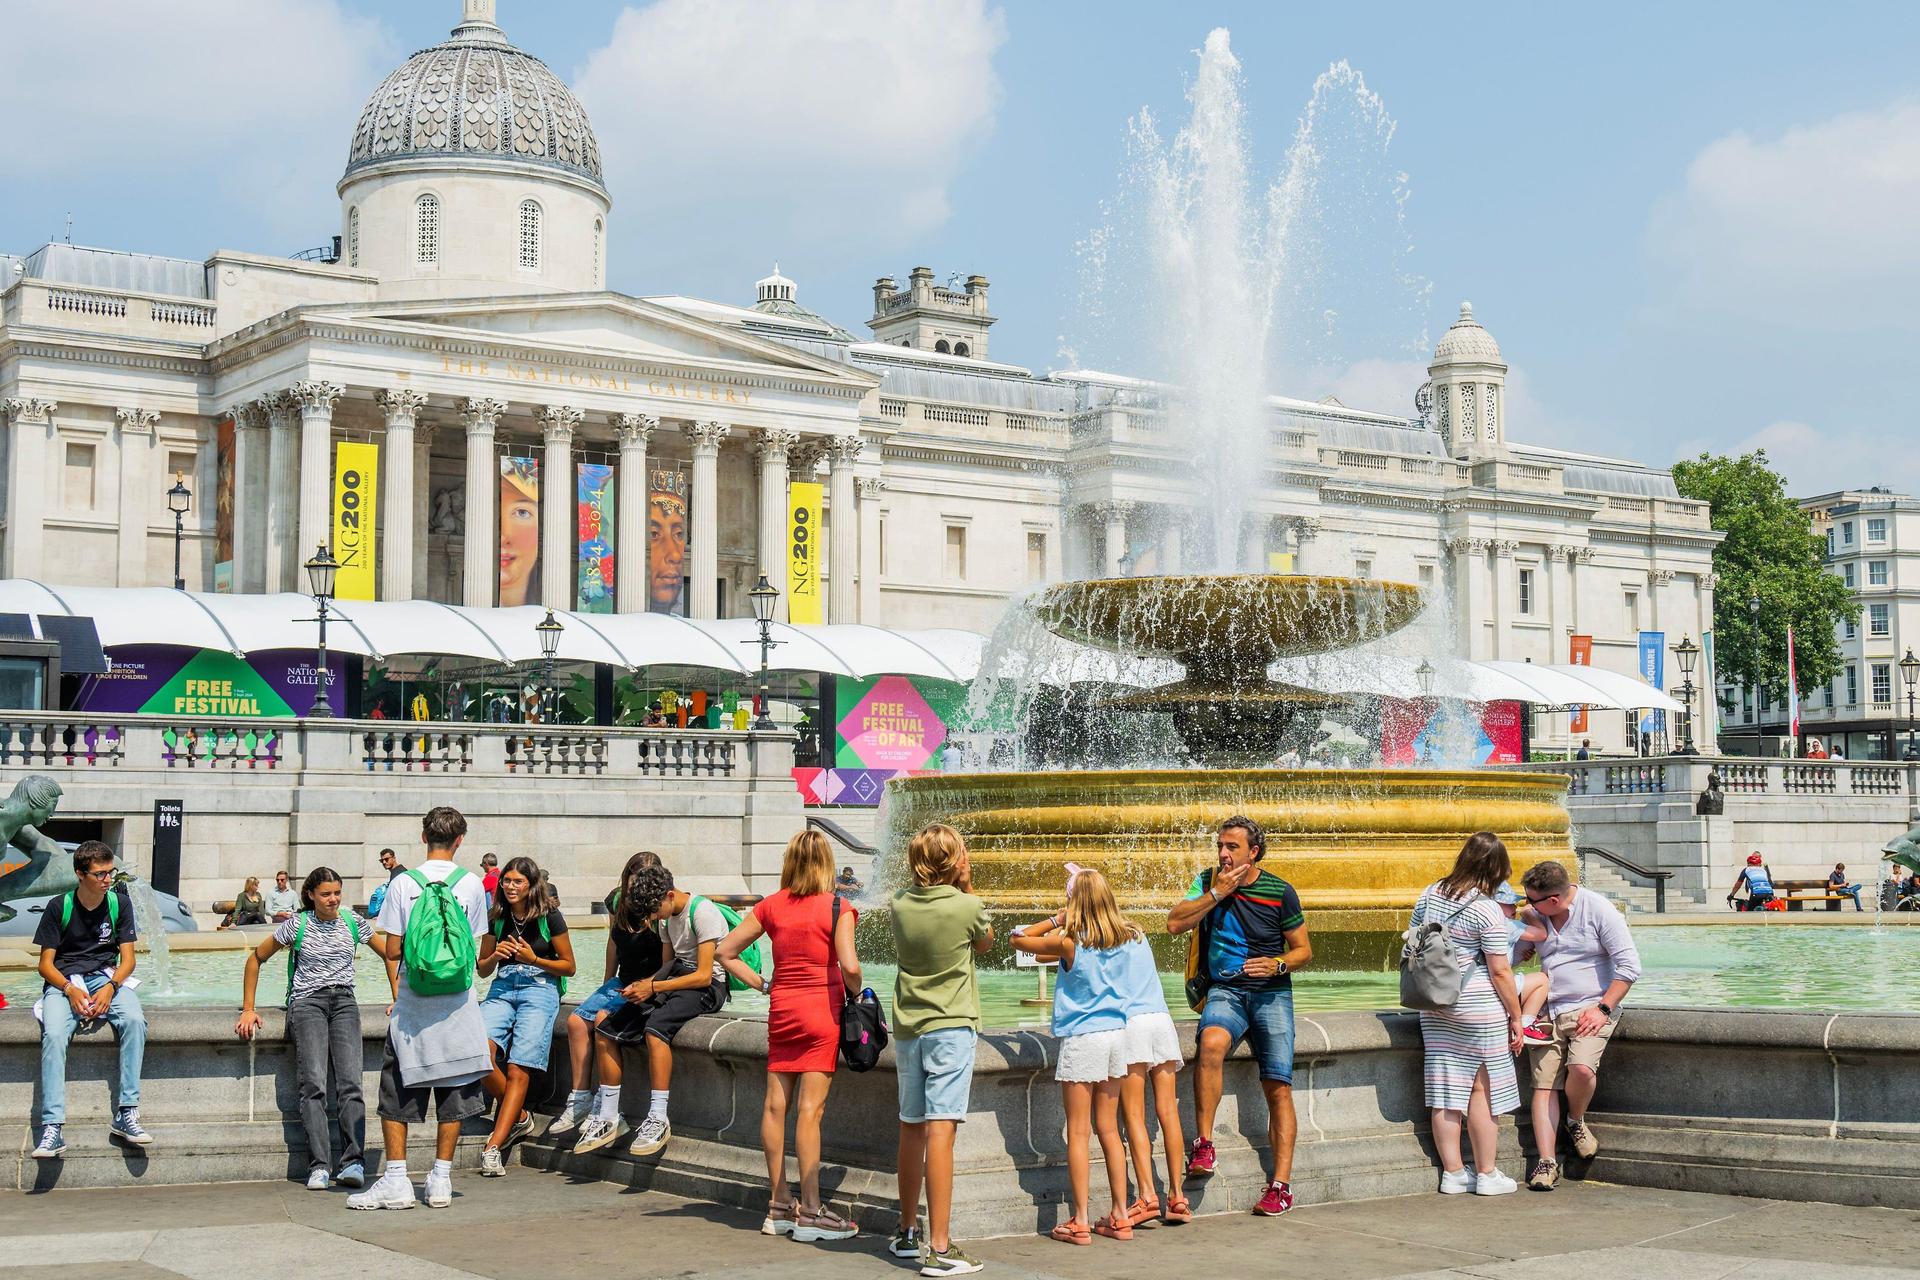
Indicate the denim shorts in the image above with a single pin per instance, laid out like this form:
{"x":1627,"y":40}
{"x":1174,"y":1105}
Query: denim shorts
{"x":519,"y":1011}
{"x":936,"y":1074}
{"x":606,"y":997}
{"x":1263,"y":1017}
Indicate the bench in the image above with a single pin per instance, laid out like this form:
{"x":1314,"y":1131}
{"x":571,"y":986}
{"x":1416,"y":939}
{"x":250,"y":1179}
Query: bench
{"x":1795,"y":892}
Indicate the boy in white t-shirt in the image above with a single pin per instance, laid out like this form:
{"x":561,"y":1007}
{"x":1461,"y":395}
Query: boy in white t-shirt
{"x":436,"y":1045}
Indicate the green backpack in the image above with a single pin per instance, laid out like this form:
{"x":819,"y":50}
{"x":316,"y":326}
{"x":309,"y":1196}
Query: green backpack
{"x":300,"y":936}
{"x":437,"y":948}
{"x":546,"y":935}
{"x":754,"y":957}
{"x":113,"y":911}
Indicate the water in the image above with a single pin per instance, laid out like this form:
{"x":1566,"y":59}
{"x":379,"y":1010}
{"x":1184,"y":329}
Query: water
{"x":156,"y":971}
{"x":1757,"y":966}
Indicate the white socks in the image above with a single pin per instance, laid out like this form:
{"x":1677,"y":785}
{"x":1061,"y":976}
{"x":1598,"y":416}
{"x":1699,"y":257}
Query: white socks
{"x":579,"y":1100}
{"x":657,"y":1109}
{"x":606,"y":1105}
{"x":443,"y":1167}
{"x":396,"y":1170}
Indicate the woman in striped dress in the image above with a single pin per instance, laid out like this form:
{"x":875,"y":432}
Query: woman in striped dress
{"x":1470,"y":1048}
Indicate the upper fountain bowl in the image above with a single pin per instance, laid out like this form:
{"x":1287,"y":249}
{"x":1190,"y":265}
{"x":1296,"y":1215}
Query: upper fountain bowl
{"x":1237,"y":622}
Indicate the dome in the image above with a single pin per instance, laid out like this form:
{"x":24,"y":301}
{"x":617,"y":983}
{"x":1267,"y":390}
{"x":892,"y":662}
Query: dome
{"x":1466,"y":340}
{"x":476,"y":97}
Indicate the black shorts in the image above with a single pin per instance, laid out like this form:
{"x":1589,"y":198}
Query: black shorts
{"x":409,"y":1105}
{"x":662,"y":1016}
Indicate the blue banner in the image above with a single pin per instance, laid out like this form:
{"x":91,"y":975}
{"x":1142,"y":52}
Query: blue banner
{"x":1653,"y":669}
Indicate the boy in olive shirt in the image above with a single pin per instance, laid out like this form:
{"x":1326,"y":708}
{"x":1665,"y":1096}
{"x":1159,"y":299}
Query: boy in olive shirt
{"x":938,"y":928}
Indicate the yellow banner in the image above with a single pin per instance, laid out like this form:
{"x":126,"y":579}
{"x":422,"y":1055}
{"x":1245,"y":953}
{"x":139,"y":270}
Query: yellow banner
{"x":356,"y":468}
{"x":803,"y":553}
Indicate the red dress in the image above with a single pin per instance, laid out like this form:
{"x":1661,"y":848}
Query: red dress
{"x":803,"y":1022}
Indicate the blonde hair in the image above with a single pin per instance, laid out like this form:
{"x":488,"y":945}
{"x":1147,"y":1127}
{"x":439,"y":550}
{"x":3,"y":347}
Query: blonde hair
{"x":934,"y":854}
{"x":1093,"y":916}
{"x":253,"y":882}
{"x":808,"y":866}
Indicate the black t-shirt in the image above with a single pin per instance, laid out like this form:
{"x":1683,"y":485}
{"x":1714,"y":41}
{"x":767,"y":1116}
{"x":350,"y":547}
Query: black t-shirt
{"x":636,"y":955}
{"x":91,"y":941}
{"x":507,"y":927}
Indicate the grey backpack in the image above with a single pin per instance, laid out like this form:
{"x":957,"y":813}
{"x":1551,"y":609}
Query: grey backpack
{"x":1430,"y":972}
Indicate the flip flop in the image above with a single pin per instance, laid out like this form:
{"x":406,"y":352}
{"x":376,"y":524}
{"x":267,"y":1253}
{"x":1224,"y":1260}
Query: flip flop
{"x":1114,"y":1227}
{"x":1144,"y":1213}
{"x":1072,"y":1232}
{"x":1178,"y":1210}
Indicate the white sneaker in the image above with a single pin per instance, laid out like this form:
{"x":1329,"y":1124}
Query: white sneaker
{"x":1494,"y":1183}
{"x":597,"y":1133}
{"x":439,"y":1189}
{"x":387,"y":1192}
{"x":570,"y":1117}
{"x":1457,"y":1183}
{"x":491,"y":1165}
{"x":352,"y":1174}
{"x":317,"y":1180}
{"x":651,"y":1136}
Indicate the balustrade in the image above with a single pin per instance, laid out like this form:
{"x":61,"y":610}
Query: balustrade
{"x":68,"y":744}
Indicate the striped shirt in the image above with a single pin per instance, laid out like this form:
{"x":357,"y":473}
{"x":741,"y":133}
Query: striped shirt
{"x":1252,"y":922}
{"x":325,"y":958}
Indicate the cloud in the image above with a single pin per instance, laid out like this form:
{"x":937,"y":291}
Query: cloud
{"x":1811,"y":230}
{"x":807,"y":128}
{"x":1822,"y":460}
{"x":243,"y":101}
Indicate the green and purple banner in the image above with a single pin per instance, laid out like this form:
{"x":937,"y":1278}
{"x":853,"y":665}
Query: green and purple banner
{"x":170,"y":681}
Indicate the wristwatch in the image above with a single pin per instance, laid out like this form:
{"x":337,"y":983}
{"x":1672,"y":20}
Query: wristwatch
{"x":1605,"y":1008}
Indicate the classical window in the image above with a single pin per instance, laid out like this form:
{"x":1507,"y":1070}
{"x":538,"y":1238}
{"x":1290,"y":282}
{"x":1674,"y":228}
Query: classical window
{"x":1877,"y":620}
{"x":1036,"y":556}
{"x":1853,"y":685}
{"x":1846,"y":532}
{"x":1526,"y":591}
{"x":1877,"y":529}
{"x":1829,"y":541}
{"x":1633,"y":611}
{"x":78,"y":477}
{"x":1846,"y":575}
{"x":1363,"y":569}
{"x":181,"y":465}
{"x":1766,"y":701}
{"x":1426,"y":577}
{"x":599,"y":230}
{"x":353,"y":236}
{"x":1882,"y":683}
{"x":962,"y":349}
{"x":529,"y":236}
{"x":956,"y":562}
{"x":1851,"y":629}
{"x":941,"y":346}
{"x":881,"y":554}
{"x":1876,"y":573}
{"x":426,"y":230}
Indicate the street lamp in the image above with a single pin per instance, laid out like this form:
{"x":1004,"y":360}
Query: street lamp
{"x":764,"y":595}
{"x":1688,"y":652}
{"x":320,"y":574}
{"x":1753,"y":612}
{"x":1424,"y":672}
{"x":549,"y":629}
{"x":1910,"y":675}
{"x":179,"y":501}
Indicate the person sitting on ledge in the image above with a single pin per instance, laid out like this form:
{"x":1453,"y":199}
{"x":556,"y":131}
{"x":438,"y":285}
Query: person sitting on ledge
{"x":283,"y":900}
{"x":86,"y":938}
{"x":249,"y":907}
{"x":633,"y":954}
{"x":848,"y":882}
{"x":1837,"y":884}
{"x":1758,"y":883}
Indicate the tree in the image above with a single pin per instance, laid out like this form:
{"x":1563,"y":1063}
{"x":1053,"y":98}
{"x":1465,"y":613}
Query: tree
{"x":1770,"y":553}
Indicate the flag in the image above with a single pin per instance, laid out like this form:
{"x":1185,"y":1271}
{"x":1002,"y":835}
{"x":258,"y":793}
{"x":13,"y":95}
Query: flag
{"x":1793,"y":696}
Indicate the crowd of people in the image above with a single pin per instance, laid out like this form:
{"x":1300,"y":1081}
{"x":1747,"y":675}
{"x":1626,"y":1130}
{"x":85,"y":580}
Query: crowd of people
{"x":672,"y":955}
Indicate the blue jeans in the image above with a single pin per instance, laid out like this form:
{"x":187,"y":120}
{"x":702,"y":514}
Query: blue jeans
{"x":935,"y":1074}
{"x":129,"y":1023}
{"x":519,"y":1011}
{"x":1264,"y":1017}
{"x":605,"y":998}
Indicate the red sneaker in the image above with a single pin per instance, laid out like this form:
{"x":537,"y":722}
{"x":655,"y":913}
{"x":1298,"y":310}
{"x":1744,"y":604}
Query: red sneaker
{"x":1537,"y":1033}
{"x":1277,"y":1200}
{"x":1200,"y":1158}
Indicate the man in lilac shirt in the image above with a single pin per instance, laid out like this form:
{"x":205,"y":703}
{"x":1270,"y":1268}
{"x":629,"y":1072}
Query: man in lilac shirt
{"x":1590,"y":963}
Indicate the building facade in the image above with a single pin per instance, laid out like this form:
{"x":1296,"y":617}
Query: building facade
{"x":462,"y":326}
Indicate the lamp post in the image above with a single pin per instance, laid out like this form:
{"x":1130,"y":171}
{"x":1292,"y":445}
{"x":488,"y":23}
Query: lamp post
{"x":320,"y":574}
{"x":1910,"y":675}
{"x":763,"y":595}
{"x":1753,"y":613}
{"x":1688,"y":652}
{"x":548,"y":629}
{"x":179,"y":501}
{"x":1424,"y":672}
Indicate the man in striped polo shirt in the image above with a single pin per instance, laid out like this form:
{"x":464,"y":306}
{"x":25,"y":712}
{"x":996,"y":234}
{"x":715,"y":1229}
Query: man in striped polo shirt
{"x":1252,"y":936}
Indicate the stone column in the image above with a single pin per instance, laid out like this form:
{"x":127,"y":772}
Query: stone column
{"x":1114,"y":516}
{"x":480,"y":578}
{"x":871,"y":491}
{"x":397,"y":500}
{"x":630,"y":565}
{"x":283,"y":462}
{"x":29,"y":431}
{"x":1506,"y":586}
{"x":1469,"y":562}
{"x":557,"y":528}
{"x":136,"y":495}
{"x":1557,"y":572}
{"x":1657,"y":582}
{"x":774,"y":447}
{"x":1170,"y":548}
{"x":1305,"y":530}
{"x":843,"y":547}
{"x":704,"y":536}
{"x":1706,"y":720}
{"x":422,"y":514}
{"x":316,"y":400}
{"x":249,"y":506}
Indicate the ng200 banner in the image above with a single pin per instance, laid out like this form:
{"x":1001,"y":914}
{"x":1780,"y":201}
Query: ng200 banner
{"x":356,"y":499}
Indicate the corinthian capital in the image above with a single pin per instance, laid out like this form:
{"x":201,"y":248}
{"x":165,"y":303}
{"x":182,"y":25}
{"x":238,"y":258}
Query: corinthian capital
{"x":480,"y":413}
{"x":872,"y":488}
{"x":636,"y":428}
{"x":136,"y":421}
{"x":28,"y":409}
{"x":281,"y":409}
{"x":1307,"y":528}
{"x":1505,"y":547}
{"x":705,"y":437}
{"x":250,"y":416}
{"x":844,"y":451}
{"x":776,"y":445}
{"x":557,"y":422}
{"x":315,"y":397}
{"x":402,"y":406}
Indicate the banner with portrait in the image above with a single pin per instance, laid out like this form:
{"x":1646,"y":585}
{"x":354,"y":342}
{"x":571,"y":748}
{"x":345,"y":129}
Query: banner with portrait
{"x":667,"y":541}
{"x":519,"y":531}
{"x":804,"y":507}
{"x":1580,"y":654}
{"x":224,"y":568}
{"x":356,"y":469}
{"x":594,"y":521}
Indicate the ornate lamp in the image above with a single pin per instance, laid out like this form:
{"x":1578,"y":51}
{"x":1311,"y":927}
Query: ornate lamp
{"x":179,"y":501}
{"x":321,"y":571}
{"x":764,"y":596}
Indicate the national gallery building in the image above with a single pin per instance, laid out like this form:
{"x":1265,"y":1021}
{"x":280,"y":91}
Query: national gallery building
{"x":451,"y":398}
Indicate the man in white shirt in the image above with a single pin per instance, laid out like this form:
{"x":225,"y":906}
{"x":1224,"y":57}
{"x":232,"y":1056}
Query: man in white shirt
{"x":1590,"y":963}
{"x":283,"y":899}
{"x":436,"y":1044}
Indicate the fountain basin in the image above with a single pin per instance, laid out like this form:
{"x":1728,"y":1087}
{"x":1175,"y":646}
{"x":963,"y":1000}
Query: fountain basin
{"x":1358,"y":844}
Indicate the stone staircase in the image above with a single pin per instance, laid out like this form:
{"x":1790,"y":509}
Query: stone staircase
{"x":1616,"y":886}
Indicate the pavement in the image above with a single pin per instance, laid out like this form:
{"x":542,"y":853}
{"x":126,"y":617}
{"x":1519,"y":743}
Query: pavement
{"x":560,"y":1226}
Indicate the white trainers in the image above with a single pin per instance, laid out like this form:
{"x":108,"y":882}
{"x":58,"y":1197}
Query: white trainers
{"x":439,"y":1189}
{"x":387,"y":1192}
{"x":651,"y":1136}
{"x":597,"y":1133}
{"x":352,"y":1174}
{"x":1457,"y":1182}
{"x":51,"y":1143}
{"x":570,"y":1119}
{"x":1494,"y":1183}
{"x":491,"y":1165}
{"x":317,"y":1180}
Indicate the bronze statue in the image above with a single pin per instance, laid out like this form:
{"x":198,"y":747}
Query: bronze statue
{"x":1904,"y":850}
{"x":1713,"y":801}
{"x":48,"y":870}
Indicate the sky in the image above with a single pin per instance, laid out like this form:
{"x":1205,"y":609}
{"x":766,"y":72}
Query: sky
{"x":1690,"y":227}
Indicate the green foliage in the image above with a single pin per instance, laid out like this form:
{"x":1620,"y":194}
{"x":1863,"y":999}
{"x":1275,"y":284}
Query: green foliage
{"x":1772,"y":554}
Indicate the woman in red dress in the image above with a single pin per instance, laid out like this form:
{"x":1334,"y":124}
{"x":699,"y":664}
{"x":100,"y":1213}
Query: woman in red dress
{"x":813,"y":966}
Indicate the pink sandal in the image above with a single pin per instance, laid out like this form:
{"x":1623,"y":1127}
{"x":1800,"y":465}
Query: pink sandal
{"x":1178,"y":1211}
{"x":1144,"y":1212}
{"x":1114,"y":1226}
{"x":1072,"y":1231}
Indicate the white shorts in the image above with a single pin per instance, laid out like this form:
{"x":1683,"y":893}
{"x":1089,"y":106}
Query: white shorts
{"x":1151,"y":1039}
{"x":1092,"y":1057}
{"x":1520,"y":984}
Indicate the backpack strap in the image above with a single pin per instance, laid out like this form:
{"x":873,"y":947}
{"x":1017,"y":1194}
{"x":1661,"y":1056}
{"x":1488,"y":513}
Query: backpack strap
{"x":66,"y":910}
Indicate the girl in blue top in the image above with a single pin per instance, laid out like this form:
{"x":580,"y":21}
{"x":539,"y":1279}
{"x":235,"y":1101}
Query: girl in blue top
{"x":1153,"y":1054}
{"x":1096,"y":947}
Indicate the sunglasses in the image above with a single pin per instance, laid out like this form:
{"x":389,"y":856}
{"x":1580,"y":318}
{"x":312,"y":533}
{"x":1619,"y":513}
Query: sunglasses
{"x":1534,"y":902}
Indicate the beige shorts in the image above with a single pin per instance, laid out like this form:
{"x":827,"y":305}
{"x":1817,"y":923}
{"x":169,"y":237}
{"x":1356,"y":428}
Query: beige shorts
{"x":1551,"y":1060}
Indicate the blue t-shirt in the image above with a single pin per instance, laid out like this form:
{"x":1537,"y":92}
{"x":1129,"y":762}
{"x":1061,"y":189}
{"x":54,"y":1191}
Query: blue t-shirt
{"x":1252,"y":922}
